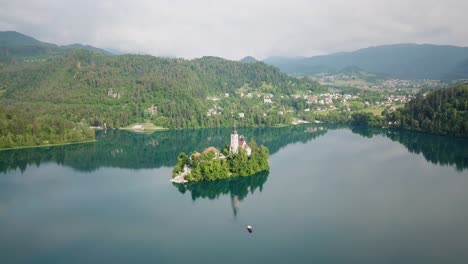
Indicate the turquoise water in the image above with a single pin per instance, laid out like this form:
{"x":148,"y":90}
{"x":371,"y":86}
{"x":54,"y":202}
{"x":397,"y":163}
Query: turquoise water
{"x":336,"y":195}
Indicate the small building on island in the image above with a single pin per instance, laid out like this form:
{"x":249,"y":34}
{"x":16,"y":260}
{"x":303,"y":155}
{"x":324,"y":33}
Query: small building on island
{"x":215,"y":151}
{"x":211,"y":149}
{"x":208,"y":150}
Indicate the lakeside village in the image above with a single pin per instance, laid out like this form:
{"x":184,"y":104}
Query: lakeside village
{"x":239,"y":158}
{"x":379,"y":84}
{"x":318,"y":103}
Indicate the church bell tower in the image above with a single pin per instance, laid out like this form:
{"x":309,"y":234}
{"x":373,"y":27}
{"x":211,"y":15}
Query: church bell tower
{"x":234,"y":141}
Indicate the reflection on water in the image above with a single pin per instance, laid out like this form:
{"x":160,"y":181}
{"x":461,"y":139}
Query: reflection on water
{"x":440,"y":150}
{"x":237,"y":188}
{"x":366,"y":196}
{"x":124,"y":149}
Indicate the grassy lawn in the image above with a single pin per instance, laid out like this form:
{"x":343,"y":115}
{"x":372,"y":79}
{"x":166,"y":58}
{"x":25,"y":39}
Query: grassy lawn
{"x":144,"y":127}
{"x":377,"y":110}
{"x":374,"y":110}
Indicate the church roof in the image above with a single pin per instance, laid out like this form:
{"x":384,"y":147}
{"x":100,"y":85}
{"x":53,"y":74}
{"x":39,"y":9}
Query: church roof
{"x":242,"y":143}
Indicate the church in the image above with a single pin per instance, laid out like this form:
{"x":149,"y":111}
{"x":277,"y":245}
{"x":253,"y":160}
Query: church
{"x":238,"y":142}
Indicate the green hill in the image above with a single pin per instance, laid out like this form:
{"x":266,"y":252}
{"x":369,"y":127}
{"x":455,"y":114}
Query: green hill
{"x":443,"y":111}
{"x":58,"y":97}
{"x":14,"y":46}
{"x":402,"y":61}
{"x":13,"y":38}
{"x":87,"y":77}
{"x":84,"y":47}
{"x":248,"y":59}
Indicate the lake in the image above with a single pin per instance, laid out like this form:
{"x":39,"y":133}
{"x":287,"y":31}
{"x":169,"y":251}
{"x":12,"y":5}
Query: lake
{"x":332,"y":195}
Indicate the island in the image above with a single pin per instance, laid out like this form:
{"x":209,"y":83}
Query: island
{"x":234,"y":160}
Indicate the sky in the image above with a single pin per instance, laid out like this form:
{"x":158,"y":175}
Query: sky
{"x":234,"y":29}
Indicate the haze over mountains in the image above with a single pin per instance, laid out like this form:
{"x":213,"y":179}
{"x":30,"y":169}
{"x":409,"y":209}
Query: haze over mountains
{"x":401,"y":61}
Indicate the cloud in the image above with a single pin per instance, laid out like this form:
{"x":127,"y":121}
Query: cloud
{"x":234,"y":29}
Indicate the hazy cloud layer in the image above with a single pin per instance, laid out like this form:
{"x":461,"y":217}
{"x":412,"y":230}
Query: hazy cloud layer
{"x":234,"y":29}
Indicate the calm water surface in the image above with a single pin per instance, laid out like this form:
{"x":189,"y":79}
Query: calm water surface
{"x":336,"y":195}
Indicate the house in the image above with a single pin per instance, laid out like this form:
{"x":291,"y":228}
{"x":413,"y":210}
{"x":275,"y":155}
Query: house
{"x":152,"y":110}
{"x":216,"y":110}
{"x":215,"y":151}
{"x":211,"y":111}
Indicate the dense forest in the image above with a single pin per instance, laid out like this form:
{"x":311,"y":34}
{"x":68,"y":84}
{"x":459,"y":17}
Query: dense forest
{"x":64,"y":94}
{"x":26,"y":128}
{"x":443,"y":111}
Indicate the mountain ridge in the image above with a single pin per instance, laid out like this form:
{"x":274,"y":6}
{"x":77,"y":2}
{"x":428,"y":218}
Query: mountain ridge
{"x":400,"y":61}
{"x":15,"y":45}
{"x":248,"y":59}
{"x":403,"y":61}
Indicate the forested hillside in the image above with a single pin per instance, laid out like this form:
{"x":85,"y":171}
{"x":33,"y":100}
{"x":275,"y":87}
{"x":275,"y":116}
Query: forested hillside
{"x":444,"y":111}
{"x":81,"y":88}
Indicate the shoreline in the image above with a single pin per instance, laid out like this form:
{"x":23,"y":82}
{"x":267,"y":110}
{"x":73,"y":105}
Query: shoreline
{"x":180,"y":179}
{"x":143,"y":130}
{"x":138,"y":132}
{"x":49,"y":145}
{"x":276,"y":126}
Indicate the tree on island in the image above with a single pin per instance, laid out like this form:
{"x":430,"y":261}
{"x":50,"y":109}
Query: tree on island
{"x":215,"y":165}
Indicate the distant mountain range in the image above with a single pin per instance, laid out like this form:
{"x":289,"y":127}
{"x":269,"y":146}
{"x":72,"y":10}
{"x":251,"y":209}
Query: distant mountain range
{"x":15,"y":45}
{"x":402,"y":61}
